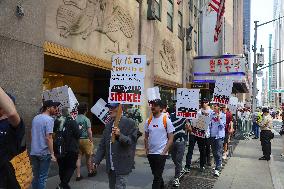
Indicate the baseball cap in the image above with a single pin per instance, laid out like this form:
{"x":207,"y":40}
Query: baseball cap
{"x":156,"y":102}
{"x":50,"y":103}
{"x":265,"y":110}
{"x":204,"y":100}
{"x":112,"y":105}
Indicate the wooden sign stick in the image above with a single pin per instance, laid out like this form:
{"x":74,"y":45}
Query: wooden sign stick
{"x":117,"y":120}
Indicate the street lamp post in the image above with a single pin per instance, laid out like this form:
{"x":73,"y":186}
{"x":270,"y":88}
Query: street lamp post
{"x":254,"y":81}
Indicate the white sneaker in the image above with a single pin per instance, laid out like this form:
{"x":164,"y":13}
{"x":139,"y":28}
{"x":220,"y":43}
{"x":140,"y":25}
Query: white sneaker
{"x":176,"y":183}
{"x":282,"y":155}
{"x":216,"y":173}
{"x":185,"y":170}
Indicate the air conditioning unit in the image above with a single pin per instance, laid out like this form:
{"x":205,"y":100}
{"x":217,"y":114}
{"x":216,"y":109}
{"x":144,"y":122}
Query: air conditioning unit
{"x":151,"y":10}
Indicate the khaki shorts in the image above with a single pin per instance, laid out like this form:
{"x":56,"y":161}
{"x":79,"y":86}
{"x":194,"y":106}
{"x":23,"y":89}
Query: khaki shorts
{"x":86,"y":147}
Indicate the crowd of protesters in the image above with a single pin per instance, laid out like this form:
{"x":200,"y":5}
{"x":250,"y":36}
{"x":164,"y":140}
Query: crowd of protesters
{"x":60,"y":138}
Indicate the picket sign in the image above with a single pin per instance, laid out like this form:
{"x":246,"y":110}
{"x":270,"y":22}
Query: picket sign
{"x":127,"y":79}
{"x":65,"y":96}
{"x":187,"y":103}
{"x":101,"y":111}
{"x":153,"y":94}
{"x":222,"y":91}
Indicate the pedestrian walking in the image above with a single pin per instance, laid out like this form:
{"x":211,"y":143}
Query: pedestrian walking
{"x":217,"y":134}
{"x":119,"y":155}
{"x":66,"y":146}
{"x":12,"y":131}
{"x":158,"y":140}
{"x":282,"y":130}
{"x":86,"y":145}
{"x":266,"y":134}
{"x":42,"y":143}
{"x":229,"y":129}
{"x":181,"y":125}
{"x":203,"y":143}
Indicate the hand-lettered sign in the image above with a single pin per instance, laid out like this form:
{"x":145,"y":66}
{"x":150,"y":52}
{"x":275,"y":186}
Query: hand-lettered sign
{"x":127,"y":79}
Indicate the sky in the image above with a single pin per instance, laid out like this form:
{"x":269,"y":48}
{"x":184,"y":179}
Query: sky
{"x":262,"y":11}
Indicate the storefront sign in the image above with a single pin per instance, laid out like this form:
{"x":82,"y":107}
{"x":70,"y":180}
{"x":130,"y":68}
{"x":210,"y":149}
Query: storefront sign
{"x":222,"y":91}
{"x":127,"y":79}
{"x":197,"y":85}
{"x":222,"y":64}
{"x":187,"y":103}
{"x":101,"y":111}
{"x":65,"y":96}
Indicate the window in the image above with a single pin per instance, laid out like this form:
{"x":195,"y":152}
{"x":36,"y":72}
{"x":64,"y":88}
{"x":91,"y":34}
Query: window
{"x":195,"y":41}
{"x":180,"y":26}
{"x":170,"y":15}
{"x":190,"y":4}
{"x":189,"y":42}
{"x":157,"y":6}
{"x":154,"y":10}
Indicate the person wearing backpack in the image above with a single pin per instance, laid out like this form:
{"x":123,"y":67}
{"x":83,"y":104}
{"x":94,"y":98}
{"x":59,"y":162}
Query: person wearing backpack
{"x":158,"y":140}
{"x":42,"y":143}
{"x":66,"y":146}
{"x":12,"y":131}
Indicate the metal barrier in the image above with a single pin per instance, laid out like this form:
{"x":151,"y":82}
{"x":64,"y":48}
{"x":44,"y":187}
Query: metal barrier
{"x":244,"y":129}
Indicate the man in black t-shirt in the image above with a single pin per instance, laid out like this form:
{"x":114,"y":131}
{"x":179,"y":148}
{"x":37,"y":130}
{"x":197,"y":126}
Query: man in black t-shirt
{"x":12,"y":131}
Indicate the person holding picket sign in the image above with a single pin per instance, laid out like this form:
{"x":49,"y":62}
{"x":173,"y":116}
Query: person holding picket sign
{"x":181,"y":126}
{"x":118,"y":152}
{"x":158,"y":140}
{"x":203,"y":145}
{"x":217,"y":134}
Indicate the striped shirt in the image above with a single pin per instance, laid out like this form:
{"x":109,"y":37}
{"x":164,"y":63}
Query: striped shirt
{"x":179,"y":125}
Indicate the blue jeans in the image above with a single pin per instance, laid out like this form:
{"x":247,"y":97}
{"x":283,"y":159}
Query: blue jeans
{"x":40,"y":166}
{"x":256,"y":130}
{"x":217,"y":150}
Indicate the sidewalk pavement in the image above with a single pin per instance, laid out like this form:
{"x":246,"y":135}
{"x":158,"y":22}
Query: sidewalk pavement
{"x":141,"y":177}
{"x":244,"y":170}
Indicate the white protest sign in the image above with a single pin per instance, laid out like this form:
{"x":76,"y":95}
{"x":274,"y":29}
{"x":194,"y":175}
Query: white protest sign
{"x":233,"y":104}
{"x":127,"y":79}
{"x":187,"y":103}
{"x":222,"y":91}
{"x":200,"y":125}
{"x":101,"y":111}
{"x":153,"y":94}
{"x":65,"y":96}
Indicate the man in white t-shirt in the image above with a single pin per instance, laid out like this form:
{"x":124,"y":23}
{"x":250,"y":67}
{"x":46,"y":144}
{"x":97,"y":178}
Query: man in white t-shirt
{"x":158,"y":139}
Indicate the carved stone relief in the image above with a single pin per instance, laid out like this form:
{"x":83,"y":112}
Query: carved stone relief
{"x":168,"y":58}
{"x":83,"y":17}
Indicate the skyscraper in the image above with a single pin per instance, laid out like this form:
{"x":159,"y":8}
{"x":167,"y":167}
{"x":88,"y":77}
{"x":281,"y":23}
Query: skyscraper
{"x":246,"y":23}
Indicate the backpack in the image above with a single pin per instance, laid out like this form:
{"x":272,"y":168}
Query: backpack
{"x":164,"y":120}
{"x":59,"y":141}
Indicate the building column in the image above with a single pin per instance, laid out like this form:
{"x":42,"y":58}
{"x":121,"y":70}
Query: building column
{"x":21,"y":55}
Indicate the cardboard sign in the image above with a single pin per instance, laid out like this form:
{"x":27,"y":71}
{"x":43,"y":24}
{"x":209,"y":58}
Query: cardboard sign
{"x":153,"y":94}
{"x":65,"y":96}
{"x":233,"y":104}
{"x":127,"y":79}
{"x":200,"y":125}
{"x":101,"y":111}
{"x":222,"y":91}
{"x":187,"y":103}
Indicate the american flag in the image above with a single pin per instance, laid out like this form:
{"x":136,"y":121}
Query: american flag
{"x":219,"y":7}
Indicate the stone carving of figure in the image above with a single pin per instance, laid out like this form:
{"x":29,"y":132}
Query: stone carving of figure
{"x":168,"y":56}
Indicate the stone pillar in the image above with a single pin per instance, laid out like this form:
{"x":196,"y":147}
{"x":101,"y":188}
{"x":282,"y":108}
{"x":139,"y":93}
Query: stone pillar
{"x":21,"y":55}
